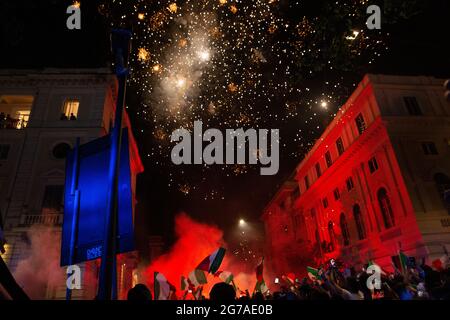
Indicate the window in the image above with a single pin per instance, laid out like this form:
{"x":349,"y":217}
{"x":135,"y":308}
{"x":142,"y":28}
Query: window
{"x":360,"y":123}
{"x":23,"y":117}
{"x":53,"y":198}
{"x":442,"y":182}
{"x":332,"y":236}
{"x":412,"y":106}
{"x":350,"y":184}
{"x":60,"y":150}
{"x":306,"y":182}
{"x":4,"y":151}
{"x":296,"y":192}
{"x":429,"y":148}
{"x":340,"y":146}
{"x":337,"y":194}
{"x":386,"y":209}
{"x":373,"y":165}
{"x":70,"y":110}
{"x":359,"y":222}
{"x":325,"y":203}
{"x":328,"y":159}
{"x":344,"y":230}
{"x":318,"y":170}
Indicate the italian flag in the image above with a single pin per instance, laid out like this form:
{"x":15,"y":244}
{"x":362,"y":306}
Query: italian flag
{"x":225,"y":276}
{"x":197,"y":277}
{"x":162,"y":287}
{"x":259,"y":271}
{"x":313,"y":273}
{"x":212,"y":262}
{"x":400,"y":262}
{"x":261,"y":287}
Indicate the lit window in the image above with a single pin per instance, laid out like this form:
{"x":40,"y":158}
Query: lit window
{"x":4,"y":151}
{"x":328,"y":159}
{"x":22,"y":119}
{"x":429,"y":148}
{"x":360,"y":123}
{"x":70,"y":110}
{"x":373,"y":165}
{"x":350,"y":184}
{"x":340,"y":146}
{"x":412,"y":106}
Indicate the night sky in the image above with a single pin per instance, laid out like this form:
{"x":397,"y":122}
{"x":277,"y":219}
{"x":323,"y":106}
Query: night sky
{"x":265,"y":64}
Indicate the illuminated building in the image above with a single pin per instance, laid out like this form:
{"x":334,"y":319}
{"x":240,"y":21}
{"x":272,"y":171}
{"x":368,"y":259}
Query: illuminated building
{"x":41,"y":115}
{"x":375,"y":183}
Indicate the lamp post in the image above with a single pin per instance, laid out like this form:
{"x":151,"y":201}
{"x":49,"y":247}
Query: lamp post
{"x":121,"y":41}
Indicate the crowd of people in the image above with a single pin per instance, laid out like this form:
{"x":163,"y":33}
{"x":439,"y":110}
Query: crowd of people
{"x":418,"y":283}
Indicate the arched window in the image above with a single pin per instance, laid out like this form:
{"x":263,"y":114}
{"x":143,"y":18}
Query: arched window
{"x":344,"y":230}
{"x":386,"y":209}
{"x":359,"y":222}
{"x":332,"y":235}
{"x":442,"y":182}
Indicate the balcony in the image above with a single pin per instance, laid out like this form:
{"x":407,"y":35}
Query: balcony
{"x":41,"y":219}
{"x":15,"y":111}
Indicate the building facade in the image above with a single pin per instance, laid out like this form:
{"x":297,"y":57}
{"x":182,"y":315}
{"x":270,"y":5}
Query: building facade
{"x":42,"y":113}
{"x":375,"y":183}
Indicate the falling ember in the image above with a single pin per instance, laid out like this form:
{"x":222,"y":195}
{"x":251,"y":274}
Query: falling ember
{"x":353,"y":37}
{"x":181,"y":82}
{"x":156,"y":68}
{"x":182,"y":43}
{"x":232,"y":87}
{"x":143,"y":55}
{"x":141,"y":16}
{"x":204,"y":55}
{"x":223,"y":2}
{"x":233,"y":9}
{"x":173,"y":8}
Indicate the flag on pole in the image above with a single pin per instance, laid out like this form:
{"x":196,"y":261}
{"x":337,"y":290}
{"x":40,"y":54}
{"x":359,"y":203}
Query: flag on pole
{"x":261,"y":287}
{"x":225,"y":276}
{"x":212,"y":262}
{"x":313,"y":273}
{"x":400,"y":262}
{"x":186,"y":284}
{"x":259,"y":271}
{"x":162,"y":287}
{"x":197,"y":277}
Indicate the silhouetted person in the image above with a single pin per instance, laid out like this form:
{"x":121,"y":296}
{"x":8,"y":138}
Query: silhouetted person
{"x":222,"y":292}
{"x":73,"y":117}
{"x":63,"y":117}
{"x":140,"y":292}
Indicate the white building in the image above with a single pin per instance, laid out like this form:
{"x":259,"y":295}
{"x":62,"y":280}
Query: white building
{"x":42,"y":113}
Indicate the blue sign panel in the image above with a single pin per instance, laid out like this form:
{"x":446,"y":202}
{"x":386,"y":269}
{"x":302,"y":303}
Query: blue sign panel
{"x":85,"y":202}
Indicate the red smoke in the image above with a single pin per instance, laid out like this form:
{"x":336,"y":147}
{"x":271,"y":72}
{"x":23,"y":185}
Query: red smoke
{"x":195,"y":241}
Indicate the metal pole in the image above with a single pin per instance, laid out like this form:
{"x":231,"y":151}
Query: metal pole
{"x":75,"y":193}
{"x":108,"y":272}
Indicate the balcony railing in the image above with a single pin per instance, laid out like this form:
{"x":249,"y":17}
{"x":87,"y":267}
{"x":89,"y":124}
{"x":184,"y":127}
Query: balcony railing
{"x":42,"y":219}
{"x":11,"y":123}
